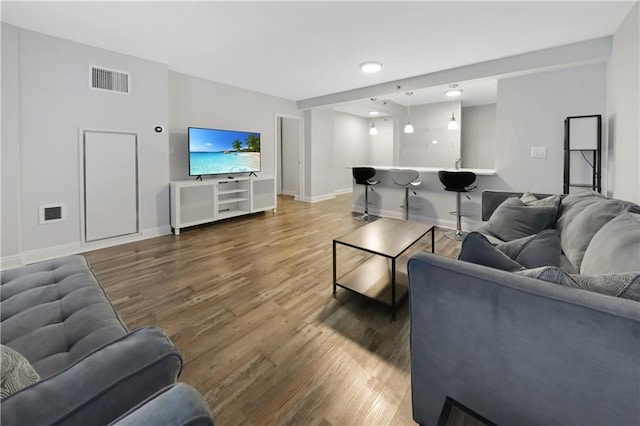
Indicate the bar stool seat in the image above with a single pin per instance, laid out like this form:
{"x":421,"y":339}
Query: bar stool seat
{"x":458,"y":182}
{"x":406,"y":178}
{"x":362,"y":176}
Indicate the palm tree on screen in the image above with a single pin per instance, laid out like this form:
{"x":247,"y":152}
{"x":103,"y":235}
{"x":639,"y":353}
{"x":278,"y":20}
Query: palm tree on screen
{"x":237,"y":145}
{"x":253,"y":143}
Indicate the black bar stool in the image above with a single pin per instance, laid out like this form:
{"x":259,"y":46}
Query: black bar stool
{"x":457,"y":182}
{"x":363,"y":176}
{"x":406,"y":178}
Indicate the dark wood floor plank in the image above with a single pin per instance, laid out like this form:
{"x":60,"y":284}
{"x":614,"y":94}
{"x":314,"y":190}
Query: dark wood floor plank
{"x":248,"y":302}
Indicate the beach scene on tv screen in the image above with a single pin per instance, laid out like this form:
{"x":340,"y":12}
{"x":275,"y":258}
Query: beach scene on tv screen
{"x":223,"y":151}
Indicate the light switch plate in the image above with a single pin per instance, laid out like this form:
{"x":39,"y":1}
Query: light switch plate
{"x":538,"y":152}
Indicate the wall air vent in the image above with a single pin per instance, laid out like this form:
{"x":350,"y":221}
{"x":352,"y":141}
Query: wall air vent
{"x":52,"y":213}
{"x":109,"y":80}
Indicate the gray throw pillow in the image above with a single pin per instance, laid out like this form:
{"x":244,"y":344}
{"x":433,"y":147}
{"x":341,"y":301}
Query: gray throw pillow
{"x":573,"y":204}
{"x":550,"y":274}
{"x":577,"y":234}
{"x":531,"y":200}
{"x":615,"y":247}
{"x":15,"y":372}
{"x":513,"y":219}
{"x":624,"y":285}
{"x":477,"y":249}
{"x":542,"y":249}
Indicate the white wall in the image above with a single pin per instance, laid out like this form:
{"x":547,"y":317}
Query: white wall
{"x":54,"y":102}
{"x":430,"y":122}
{"x":479,"y":136}
{"x":352,"y":147}
{"x":381,"y":145}
{"x":10,"y":203}
{"x":196,"y":102}
{"x":319,"y":154}
{"x":623,"y":111}
{"x":530,"y":112}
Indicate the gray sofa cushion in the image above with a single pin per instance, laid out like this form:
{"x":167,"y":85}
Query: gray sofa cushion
{"x":577,"y":234}
{"x":615,"y":247}
{"x":477,"y":249}
{"x":55,"y":313}
{"x":513,"y":219}
{"x":574,"y":204}
{"x":542,"y":249}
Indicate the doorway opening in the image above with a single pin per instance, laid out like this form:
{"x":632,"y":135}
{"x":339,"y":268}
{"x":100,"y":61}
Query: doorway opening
{"x":289,"y":156}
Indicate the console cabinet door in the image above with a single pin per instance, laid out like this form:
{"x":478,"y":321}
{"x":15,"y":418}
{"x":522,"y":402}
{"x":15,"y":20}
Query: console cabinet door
{"x":110,"y":185}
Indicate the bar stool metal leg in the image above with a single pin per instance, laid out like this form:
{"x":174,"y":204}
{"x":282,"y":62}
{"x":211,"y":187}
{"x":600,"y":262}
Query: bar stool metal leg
{"x":406,"y":203}
{"x":458,"y":235}
{"x":365,"y":216}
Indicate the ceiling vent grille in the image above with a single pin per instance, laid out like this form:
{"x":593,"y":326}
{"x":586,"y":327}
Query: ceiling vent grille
{"x":52,"y":213}
{"x":109,"y":80}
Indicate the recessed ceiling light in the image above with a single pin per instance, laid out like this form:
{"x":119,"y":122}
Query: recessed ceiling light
{"x":370,"y":67}
{"x":374,"y":113}
{"x":453,"y":91}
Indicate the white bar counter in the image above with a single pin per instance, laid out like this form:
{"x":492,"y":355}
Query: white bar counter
{"x":479,"y":172}
{"x":431,"y":204}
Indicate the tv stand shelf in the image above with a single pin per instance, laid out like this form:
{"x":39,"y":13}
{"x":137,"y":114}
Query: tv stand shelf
{"x":196,"y":202}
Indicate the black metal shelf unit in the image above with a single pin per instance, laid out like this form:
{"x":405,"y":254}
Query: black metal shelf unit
{"x":583,"y":134}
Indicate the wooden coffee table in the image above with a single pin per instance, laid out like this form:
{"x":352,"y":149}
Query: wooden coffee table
{"x":376,"y":277}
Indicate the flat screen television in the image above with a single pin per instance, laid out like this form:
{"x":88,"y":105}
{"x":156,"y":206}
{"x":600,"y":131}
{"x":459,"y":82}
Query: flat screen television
{"x":215,"y":151}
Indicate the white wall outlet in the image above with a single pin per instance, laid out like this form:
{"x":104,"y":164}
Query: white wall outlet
{"x":538,"y":152}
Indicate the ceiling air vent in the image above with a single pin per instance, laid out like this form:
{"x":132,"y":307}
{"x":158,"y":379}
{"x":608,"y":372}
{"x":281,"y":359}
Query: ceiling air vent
{"x":109,"y":80}
{"x":52,"y":213}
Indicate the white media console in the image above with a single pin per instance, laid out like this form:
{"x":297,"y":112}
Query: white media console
{"x":196,"y":202}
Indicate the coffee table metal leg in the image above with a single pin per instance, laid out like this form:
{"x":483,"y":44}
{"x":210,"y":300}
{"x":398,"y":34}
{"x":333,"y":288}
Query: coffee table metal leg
{"x":433,"y":239}
{"x":393,"y":289}
{"x":334,"y":269}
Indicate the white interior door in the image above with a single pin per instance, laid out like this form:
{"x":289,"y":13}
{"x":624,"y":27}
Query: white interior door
{"x":110,"y":185}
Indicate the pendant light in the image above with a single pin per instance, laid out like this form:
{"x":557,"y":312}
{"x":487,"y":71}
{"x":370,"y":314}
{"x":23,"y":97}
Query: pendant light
{"x":373,"y":131}
{"x":452,"y":93}
{"x":453,"y":124}
{"x":409,"y":127}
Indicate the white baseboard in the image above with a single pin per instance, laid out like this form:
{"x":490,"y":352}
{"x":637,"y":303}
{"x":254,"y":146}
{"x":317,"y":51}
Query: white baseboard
{"x":317,"y":198}
{"x":343,"y":191}
{"x":9,"y":262}
{"x":467,"y":225}
{"x":47,"y":253}
{"x":290,"y":193}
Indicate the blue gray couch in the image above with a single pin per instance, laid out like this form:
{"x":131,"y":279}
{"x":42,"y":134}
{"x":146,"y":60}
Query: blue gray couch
{"x":518,"y":350}
{"x":92,"y":369}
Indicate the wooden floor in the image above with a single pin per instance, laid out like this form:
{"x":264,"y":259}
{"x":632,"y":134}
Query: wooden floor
{"x":248,"y":303}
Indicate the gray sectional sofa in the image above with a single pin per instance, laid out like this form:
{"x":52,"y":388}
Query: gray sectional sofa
{"x":522,"y":350}
{"x":92,"y":369}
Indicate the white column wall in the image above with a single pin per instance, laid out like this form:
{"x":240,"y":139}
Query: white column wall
{"x":623,"y":177}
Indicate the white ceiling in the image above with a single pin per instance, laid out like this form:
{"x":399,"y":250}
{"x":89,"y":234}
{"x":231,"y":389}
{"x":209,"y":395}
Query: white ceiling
{"x":299,"y":50}
{"x":474,"y":92}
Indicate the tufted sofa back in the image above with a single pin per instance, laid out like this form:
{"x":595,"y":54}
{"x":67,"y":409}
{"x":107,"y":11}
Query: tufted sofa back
{"x":55,"y":312}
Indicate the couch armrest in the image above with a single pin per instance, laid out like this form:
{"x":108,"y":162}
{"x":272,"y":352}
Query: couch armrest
{"x":99,"y":387}
{"x":176,"y":405}
{"x":518,"y":350}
